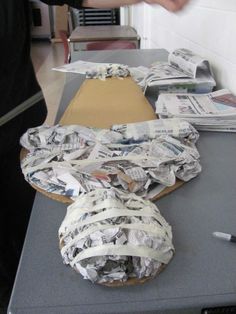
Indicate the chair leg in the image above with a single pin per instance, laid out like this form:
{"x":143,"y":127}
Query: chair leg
{"x":64,"y":38}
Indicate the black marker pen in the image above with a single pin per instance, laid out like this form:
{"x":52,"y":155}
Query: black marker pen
{"x":225,"y":236}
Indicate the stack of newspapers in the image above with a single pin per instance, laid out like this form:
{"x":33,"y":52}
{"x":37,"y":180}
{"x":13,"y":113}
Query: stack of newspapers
{"x":207,"y":112}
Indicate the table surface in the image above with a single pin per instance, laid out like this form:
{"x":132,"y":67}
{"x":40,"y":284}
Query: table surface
{"x":106,"y":32}
{"x":202,"y":272}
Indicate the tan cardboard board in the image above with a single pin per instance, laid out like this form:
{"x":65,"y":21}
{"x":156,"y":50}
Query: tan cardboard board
{"x":103,"y":103}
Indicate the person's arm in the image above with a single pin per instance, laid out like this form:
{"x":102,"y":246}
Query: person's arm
{"x":106,"y":4}
{"x":73,"y":3}
{"x":93,"y":3}
{"x":171,"y":5}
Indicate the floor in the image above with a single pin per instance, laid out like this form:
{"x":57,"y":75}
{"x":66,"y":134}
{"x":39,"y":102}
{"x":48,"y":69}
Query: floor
{"x":46,"y":55}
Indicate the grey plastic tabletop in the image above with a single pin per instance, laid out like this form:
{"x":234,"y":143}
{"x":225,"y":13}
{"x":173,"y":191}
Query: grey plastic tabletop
{"x":202,"y":273}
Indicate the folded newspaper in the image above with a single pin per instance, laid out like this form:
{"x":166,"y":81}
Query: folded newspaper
{"x":208,"y":112}
{"x":147,"y":130}
{"x":184,"y":72}
{"x":70,"y":160}
{"x":109,"y":236}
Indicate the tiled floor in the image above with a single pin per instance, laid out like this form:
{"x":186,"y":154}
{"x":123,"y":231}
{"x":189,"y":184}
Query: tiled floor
{"x":45,"y":56}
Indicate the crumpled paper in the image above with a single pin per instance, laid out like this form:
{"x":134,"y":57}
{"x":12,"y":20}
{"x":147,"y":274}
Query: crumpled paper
{"x":108,"y":236}
{"x":71,"y":160}
{"x":105,"y":71}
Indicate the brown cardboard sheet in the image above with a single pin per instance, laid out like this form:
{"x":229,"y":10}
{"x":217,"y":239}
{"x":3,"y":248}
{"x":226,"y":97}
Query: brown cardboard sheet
{"x":103,"y":103}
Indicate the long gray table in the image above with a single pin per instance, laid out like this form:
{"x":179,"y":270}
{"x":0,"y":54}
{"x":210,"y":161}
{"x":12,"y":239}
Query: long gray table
{"x":203,"y":271}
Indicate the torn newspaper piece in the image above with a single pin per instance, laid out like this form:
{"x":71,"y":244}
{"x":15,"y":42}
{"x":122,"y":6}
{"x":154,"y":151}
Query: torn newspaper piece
{"x":68,"y":163}
{"x":109,"y":236}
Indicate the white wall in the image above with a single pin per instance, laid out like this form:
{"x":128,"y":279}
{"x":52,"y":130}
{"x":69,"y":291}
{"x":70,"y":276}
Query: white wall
{"x":207,"y":27}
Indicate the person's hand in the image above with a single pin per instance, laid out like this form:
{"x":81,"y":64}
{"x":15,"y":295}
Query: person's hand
{"x":170,"y":5}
